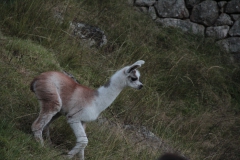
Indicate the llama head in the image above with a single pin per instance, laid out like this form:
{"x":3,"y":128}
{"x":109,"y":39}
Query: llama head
{"x":133,"y":75}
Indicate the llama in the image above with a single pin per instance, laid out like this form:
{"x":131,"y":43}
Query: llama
{"x":59,"y":94}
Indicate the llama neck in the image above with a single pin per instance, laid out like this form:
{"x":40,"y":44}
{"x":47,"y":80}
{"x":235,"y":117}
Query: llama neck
{"x":109,"y":92}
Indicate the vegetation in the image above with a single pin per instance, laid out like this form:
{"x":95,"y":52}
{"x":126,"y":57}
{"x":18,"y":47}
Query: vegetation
{"x":190,"y":98}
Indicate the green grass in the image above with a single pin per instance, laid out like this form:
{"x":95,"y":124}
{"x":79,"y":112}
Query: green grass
{"x":191,"y":87}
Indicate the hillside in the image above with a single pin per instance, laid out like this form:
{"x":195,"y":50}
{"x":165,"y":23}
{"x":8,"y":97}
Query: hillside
{"x":190,"y":95}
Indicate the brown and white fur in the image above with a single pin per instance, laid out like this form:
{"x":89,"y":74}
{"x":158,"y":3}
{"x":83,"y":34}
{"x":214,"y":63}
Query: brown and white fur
{"x":58,"y":94}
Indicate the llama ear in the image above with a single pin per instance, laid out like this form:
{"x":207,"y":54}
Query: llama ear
{"x":135,"y":66}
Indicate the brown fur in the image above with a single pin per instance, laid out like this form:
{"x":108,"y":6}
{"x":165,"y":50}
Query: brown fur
{"x":47,"y":86}
{"x":55,"y":91}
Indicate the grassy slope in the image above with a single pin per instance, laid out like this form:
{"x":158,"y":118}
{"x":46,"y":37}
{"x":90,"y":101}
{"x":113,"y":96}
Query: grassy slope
{"x":191,"y":89}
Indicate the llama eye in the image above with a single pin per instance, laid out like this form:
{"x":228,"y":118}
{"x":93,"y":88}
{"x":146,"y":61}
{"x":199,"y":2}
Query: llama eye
{"x":133,"y":79}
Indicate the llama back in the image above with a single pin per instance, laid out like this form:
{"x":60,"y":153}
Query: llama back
{"x":59,"y":88}
{"x":53,"y":87}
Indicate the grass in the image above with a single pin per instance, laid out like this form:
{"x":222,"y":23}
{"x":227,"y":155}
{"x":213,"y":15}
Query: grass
{"x":190,"y":98}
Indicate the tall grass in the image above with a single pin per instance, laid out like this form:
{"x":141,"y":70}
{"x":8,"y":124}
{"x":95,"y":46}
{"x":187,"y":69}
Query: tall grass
{"x":190,"y":97}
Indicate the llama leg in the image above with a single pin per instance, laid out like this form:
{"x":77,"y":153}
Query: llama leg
{"x":82,"y":140}
{"x":39,"y":124}
{"x":44,"y":118}
{"x":46,"y":128}
{"x":84,"y":126}
{"x":81,"y":153}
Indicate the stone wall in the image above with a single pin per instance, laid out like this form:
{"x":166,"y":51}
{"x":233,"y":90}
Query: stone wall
{"x":210,"y":18}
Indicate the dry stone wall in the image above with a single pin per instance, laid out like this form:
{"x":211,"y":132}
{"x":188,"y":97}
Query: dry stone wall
{"x":210,"y":18}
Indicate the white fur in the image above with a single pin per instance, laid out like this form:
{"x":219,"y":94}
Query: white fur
{"x":58,"y":93}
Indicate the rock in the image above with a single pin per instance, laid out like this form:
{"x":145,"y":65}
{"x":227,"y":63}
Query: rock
{"x":205,"y":13}
{"x":140,"y":135}
{"x":235,"y":16}
{"x":218,"y":32}
{"x":145,"y":2}
{"x":235,"y":30}
{"x":92,"y":35}
{"x":231,"y":44}
{"x":171,"y":8}
{"x":235,"y":58}
{"x":191,"y":3}
{"x":144,"y":131}
{"x":141,"y":9}
{"x":185,"y":25}
{"x":130,"y":2}
{"x":233,"y":6}
{"x":152,"y":12}
{"x":144,"y":10}
{"x":221,"y":5}
{"x":223,"y":19}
